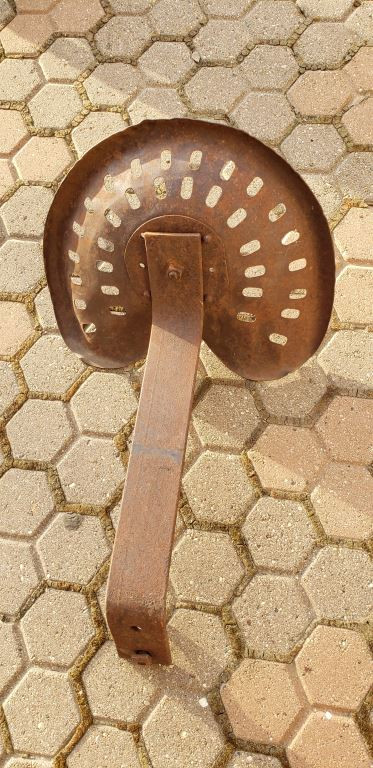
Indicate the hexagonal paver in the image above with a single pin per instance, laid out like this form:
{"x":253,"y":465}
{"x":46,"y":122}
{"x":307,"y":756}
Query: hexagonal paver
{"x":325,"y":9}
{"x":267,"y":116}
{"x":123,"y":37}
{"x":287,"y":458}
{"x":25,"y":34}
{"x":270,"y":66}
{"x":273,"y":21}
{"x":205,"y":567}
{"x":15,"y":326}
{"x":311,"y":147}
{"x":324,"y":44}
{"x":39,"y":430}
{"x":225,"y":417}
{"x":45,"y":311}
{"x":21,"y":265}
{"x":261,"y":685}
{"x":166,"y":63}
{"x":193,"y":737}
{"x":25,"y":501}
{"x":72,"y":548}
{"x":19,"y":78}
{"x":18,"y":574}
{"x":104,"y":746}
{"x":96,"y":127}
{"x":361,"y":23}
{"x":334,"y":738}
{"x":117,"y":403}
{"x":55,"y":105}
{"x":112,"y":84}
{"x":191,"y":633}
{"x":352,"y":282}
{"x":42,"y":159}
{"x":360,"y":70}
{"x":343,"y":501}
{"x":9,"y":388}
{"x":107,"y":676}
{"x":353,"y":248}
{"x":279,"y":534}
{"x":335,"y":667}
{"x":320,"y":93}
{"x":10,"y":655}
{"x":359,"y":121}
{"x":346,"y":360}
{"x":52,"y":712}
{"x":57,"y":628}
{"x":346,"y":428}
{"x":215,"y":89}
{"x":20,"y":762}
{"x":296,"y":394}
{"x":7,"y":177}
{"x":50,"y":367}
{"x":129,"y":7}
{"x":325,"y":190}
{"x":273,"y":613}
{"x":215,"y":369}
{"x":221,"y":41}
{"x":218,"y":488}
{"x":177,"y":21}
{"x":155,"y":103}
{"x":355,"y":175}
{"x":66,"y":59}
{"x":76,"y":18}
{"x":25,"y":212}
{"x":253,"y":760}
{"x":90,"y":471}
{"x":338,"y":583}
{"x":12,"y":130}
{"x":6,"y":13}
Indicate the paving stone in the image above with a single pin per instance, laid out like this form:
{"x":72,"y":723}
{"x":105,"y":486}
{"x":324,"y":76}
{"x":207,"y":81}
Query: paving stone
{"x":360,"y":70}
{"x":218,"y":488}
{"x":19,"y":78}
{"x":52,"y":712}
{"x":352,"y":248}
{"x":91,"y":471}
{"x":6,"y":13}
{"x":227,"y":8}
{"x":343,"y":501}
{"x":37,"y":6}
{"x":20,"y":762}
{"x":215,"y":89}
{"x":57,"y":628}
{"x":15,"y":326}
{"x":279,"y":534}
{"x":266,"y":116}
{"x":24,"y":214}
{"x":253,"y":760}
{"x":76,"y":18}
{"x":324,"y":188}
{"x":107,"y":676}
{"x":295,"y":395}
{"x":270,"y":66}
{"x":72,"y":548}
{"x":333,"y":738}
{"x":353,"y":282}
{"x":39,"y":430}
{"x":50,"y":367}
{"x":117,"y":403}
{"x":287,"y":458}
{"x":355,"y":175}
{"x":123,"y":37}
{"x":311,"y":147}
{"x":130,"y":6}
{"x":273,"y":21}
{"x":7,"y":177}
{"x":359,"y":121}
{"x":272,"y":613}
{"x":325,"y":9}
{"x":193,"y":737}
{"x":176,"y":21}
{"x":104,"y":746}
{"x":346,"y":428}
{"x":361,"y":22}
{"x":346,"y":360}
{"x":156,"y":103}
{"x":26,"y":34}
{"x":55,"y":106}
{"x":214,"y":367}
{"x":45,"y":311}
{"x":66,"y":59}
{"x":112,"y":84}
{"x":25,"y":501}
{"x":10,"y":655}
{"x":21,"y":265}
{"x":335,"y":668}
{"x":338,"y":584}
{"x":9,"y":388}
{"x":191,"y":634}
{"x":324,"y":44}
{"x":42,"y":159}
{"x":12,"y":130}
{"x":225,"y":417}
{"x":96,"y":127}
{"x":320,"y":93}
{"x":221,"y":41}
{"x":166,"y":63}
{"x":261,"y":685}
{"x":205,"y":567}
{"x":18,"y":574}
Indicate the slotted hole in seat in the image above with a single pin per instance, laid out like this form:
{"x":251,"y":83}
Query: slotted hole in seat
{"x":132,"y":199}
{"x":110,"y":290}
{"x":278,"y":338}
{"x":186,"y":187}
{"x":290,"y":237}
{"x":89,"y":328}
{"x":227,"y":170}
{"x":165,"y":160}
{"x":112,"y":218}
{"x":236,"y":218}
{"x":298,"y":293}
{"x":109,"y":183}
{"x":253,"y":292}
{"x":195,"y":160}
{"x":213,"y":196}
{"x":246,"y":317}
{"x":119,"y":311}
{"x":255,"y":186}
{"x":88,"y":205}
{"x":255,"y":271}
{"x":78,"y":229}
{"x":277,"y":212}
{"x":76,"y":279}
{"x":105,"y":245}
{"x":292,"y":314}
{"x":104,"y":266}
{"x":136,"y":168}
{"x":80,"y":304}
{"x":297,"y":265}
{"x":160,"y":188}
{"x":73,"y":256}
{"x":250,"y":247}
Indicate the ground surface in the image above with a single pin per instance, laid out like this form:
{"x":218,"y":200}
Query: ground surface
{"x":271,"y":577}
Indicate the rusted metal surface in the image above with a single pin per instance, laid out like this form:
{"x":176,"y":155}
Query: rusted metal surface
{"x":265,"y":267}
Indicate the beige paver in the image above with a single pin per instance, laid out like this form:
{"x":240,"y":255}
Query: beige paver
{"x":39,"y":430}
{"x":72,"y":548}
{"x":18,"y":574}
{"x":191,"y":634}
{"x":343,"y":501}
{"x":66,"y":59}
{"x":45,"y":311}
{"x":20,"y":762}
{"x":313,"y":146}
{"x":218,"y":488}
{"x":225,"y":417}
{"x":166,"y":63}
{"x":116,"y":398}
{"x":156,"y":103}
{"x":361,"y":22}
{"x":346,"y":360}
{"x":12,"y":130}
{"x":9,"y":388}
{"x":50,"y":367}
{"x":15,"y":326}
{"x":226,"y":8}
{"x":356,"y":249}
{"x":359,"y":120}
{"x":55,"y":105}
{"x":355,"y":175}
{"x":270,"y":66}
{"x":185,"y":19}
{"x":294,"y":395}
{"x":320,"y":93}
{"x":112,"y":84}
{"x":25,"y":501}
{"x":105,"y":746}
{"x":273,"y":21}
{"x":19,"y":78}
{"x":215,"y":89}
{"x":325,"y":9}
{"x":359,"y":70}
{"x":334,"y":738}
{"x":25,"y":212}
{"x":346,"y":428}
{"x":21,"y":265}
{"x":123,"y":37}
{"x":42,"y":159}
{"x":352,"y":282}
{"x":267,"y":116}
{"x":220,"y":41}
{"x":325,"y":44}
{"x":287,"y":458}
{"x":96,"y":127}
{"x":76,"y":18}
{"x":337,"y":583}
{"x":90,"y":471}
{"x":253,"y":760}
{"x":25,"y":34}
{"x":7,"y":177}
{"x":11,"y":660}
{"x":326,"y":191}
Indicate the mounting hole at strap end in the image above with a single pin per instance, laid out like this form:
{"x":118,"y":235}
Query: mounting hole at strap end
{"x":135,"y":628}
{"x":142,"y":657}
